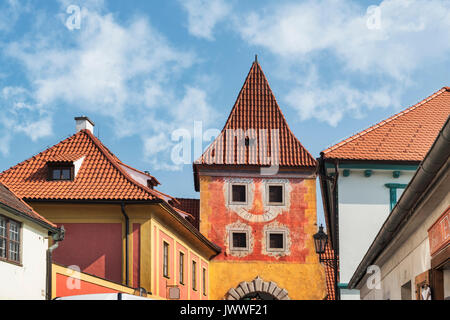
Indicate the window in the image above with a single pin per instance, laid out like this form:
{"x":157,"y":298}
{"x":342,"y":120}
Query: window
{"x":276,"y":241}
{"x":239,"y":240}
{"x":275,"y":194}
{"x":239,"y":193}
{"x":204,"y":281}
{"x":60,"y":173}
{"x":181,"y":266}
{"x":9,"y":240}
{"x":166,"y":260}
{"x":406,"y":291}
{"x":194,"y":275}
{"x":395,"y":191}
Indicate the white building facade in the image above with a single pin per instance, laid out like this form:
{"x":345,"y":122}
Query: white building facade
{"x":23,"y":250}
{"x":412,"y":248}
{"x":363,"y":176}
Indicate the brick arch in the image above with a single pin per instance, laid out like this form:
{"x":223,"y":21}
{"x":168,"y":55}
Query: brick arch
{"x":257,"y":285}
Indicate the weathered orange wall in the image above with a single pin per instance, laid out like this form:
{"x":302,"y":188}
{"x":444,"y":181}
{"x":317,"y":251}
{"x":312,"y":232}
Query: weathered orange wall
{"x":299,"y":271}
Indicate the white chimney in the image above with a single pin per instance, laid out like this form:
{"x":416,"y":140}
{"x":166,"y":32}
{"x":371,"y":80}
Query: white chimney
{"x":84,"y":123}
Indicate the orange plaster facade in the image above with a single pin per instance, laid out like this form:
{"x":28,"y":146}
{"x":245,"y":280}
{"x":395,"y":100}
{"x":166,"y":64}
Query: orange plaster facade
{"x":296,"y":269}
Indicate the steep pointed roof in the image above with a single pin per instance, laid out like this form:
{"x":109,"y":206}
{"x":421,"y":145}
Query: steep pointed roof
{"x":101,"y":176}
{"x":262,"y":135}
{"x":406,"y":136}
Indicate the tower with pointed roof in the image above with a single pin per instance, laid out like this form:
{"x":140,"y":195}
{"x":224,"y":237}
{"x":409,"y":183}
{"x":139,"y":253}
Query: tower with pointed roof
{"x":257,"y":187}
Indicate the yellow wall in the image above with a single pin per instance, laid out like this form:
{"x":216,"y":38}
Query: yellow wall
{"x":149,"y":216}
{"x":303,"y":280}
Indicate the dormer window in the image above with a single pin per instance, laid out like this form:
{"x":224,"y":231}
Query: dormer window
{"x":64,"y":167}
{"x":61,"y":173}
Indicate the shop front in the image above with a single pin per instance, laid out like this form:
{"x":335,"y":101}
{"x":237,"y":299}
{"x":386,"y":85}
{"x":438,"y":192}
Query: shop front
{"x":439,"y":275}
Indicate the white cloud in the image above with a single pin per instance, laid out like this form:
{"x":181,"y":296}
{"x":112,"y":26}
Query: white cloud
{"x":409,"y":35}
{"x":22,"y":115}
{"x":123,"y":72}
{"x":204,"y":15}
{"x":410,"y":32}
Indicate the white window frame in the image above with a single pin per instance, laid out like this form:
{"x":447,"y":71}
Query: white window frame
{"x":231,"y":193}
{"x":247,"y":240}
{"x":268,"y":233}
{"x":283,"y":193}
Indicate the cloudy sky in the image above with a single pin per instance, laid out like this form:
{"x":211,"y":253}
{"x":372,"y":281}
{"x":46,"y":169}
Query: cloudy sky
{"x":144,"y":71}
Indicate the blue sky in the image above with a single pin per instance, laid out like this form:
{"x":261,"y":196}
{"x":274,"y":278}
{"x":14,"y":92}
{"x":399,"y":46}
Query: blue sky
{"x":141,"y":70}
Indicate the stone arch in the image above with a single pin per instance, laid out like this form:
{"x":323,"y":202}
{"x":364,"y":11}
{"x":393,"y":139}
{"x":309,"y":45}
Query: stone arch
{"x":257,"y":285}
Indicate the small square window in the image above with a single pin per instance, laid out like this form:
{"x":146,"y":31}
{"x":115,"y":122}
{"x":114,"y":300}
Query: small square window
{"x":239,"y":193}
{"x":276,"y":241}
{"x":276,"y":194}
{"x":239,"y":240}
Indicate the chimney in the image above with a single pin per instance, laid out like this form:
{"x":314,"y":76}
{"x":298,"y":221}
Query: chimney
{"x":84,"y":123}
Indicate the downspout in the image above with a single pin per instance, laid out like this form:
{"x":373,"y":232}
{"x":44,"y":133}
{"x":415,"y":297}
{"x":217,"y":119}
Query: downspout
{"x":336,"y":230}
{"x":57,"y":238}
{"x":127,"y":233}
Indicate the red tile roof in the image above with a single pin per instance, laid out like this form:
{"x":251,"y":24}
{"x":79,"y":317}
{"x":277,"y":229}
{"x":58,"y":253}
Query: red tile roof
{"x":406,"y":136}
{"x":9,"y":199}
{"x":100,"y":177}
{"x":329,"y":273}
{"x":256,"y":108}
{"x":192,"y":206}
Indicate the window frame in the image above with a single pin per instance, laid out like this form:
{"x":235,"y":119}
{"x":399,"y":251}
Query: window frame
{"x":194,"y":275}
{"x":247,"y":240}
{"x":181,"y":256}
{"x":60,"y":166}
{"x":204,"y":281}
{"x":269,"y":248}
{"x":283,"y":195}
{"x":166,"y":271}
{"x":8,"y":241}
{"x":231,"y":200}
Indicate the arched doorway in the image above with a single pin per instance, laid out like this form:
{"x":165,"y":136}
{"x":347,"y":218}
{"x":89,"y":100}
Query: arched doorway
{"x":258,"y":289}
{"x":258,"y":296}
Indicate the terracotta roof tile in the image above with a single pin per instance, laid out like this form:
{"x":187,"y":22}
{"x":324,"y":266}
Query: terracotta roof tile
{"x":9,"y":199}
{"x":329,"y":273}
{"x":100,"y":176}
{"x":406,"y":136}
{"x":257,"y":109}
{"x":192,"y":206}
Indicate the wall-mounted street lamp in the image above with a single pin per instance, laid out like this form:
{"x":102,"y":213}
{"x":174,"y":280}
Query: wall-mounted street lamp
{"x":320,"y":243}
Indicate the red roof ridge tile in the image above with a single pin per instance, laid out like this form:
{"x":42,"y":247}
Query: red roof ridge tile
{"x":385,"y":121}
{"x":34,"y":156}
{"x":257,"y":88}
{"x":112,"y":158}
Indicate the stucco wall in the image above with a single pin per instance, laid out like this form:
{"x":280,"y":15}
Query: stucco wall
{"x":27,"y":281}
{"x":408,"y":254}
{"x":364,"y":204}
{"x":296,"y":270}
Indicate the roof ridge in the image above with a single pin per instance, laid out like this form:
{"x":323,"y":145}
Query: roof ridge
{"x":385,"y":121}
{"x":257,"y":74}
{"x":37,"y":154}
{"x":110,"y":156}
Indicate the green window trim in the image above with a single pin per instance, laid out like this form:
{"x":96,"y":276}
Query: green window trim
{"x":393,"y":192}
